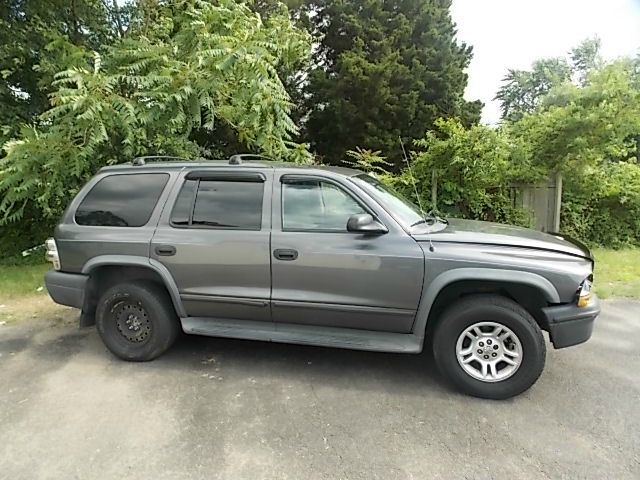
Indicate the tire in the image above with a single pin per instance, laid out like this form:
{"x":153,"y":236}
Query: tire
{"x":137,"y":321}
{"x":479,"y":324}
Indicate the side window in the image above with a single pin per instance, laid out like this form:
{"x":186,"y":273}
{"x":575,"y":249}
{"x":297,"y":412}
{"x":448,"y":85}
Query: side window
{"x":316,"y":205}
{"x":121,"y":200}
{"x":222,"y":204}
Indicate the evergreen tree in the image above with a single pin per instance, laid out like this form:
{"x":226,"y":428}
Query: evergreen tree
{"x":385,"y":69}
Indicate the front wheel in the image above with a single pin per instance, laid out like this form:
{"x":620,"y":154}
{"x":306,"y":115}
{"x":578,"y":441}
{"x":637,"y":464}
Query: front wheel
{"x":489,"y":347}
{"x":136,"y":321}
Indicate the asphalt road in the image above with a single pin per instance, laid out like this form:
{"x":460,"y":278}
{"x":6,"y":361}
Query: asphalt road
{"x":214,"y":408}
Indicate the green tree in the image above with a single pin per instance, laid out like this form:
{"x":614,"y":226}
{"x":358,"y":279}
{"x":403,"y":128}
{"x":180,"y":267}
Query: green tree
{"x":586,"y":58}
{"x":473,"y":169}
{"x":576,"y":127}
{"x":522,"y":90}
{"x":213,"y":64}
{"x":384,"y":70}
{"x":38,"y":38}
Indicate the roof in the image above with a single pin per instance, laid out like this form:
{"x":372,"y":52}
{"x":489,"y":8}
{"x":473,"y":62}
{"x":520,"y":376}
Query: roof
{"x":180,"y":164}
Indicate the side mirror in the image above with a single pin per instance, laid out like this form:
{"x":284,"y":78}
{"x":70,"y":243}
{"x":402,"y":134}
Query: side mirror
{"x":365,"y":223}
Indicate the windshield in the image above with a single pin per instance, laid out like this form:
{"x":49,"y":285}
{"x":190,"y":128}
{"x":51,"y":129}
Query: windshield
{"x":403,"y":209}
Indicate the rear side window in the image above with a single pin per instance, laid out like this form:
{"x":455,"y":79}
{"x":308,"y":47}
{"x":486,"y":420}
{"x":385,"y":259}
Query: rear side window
{"x":122,"y":200}
{"x":225,"y":204}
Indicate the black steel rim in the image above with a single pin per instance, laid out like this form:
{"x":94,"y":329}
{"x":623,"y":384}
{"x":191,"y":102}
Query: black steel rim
{"x":132,"y":321}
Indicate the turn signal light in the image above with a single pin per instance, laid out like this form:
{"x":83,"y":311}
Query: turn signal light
{"x":584,"y":294}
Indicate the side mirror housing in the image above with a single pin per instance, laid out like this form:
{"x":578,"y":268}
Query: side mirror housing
{"x":365,"y":223}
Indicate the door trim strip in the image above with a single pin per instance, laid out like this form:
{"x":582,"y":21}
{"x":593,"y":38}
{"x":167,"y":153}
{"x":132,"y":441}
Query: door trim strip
{"x":252,"y":302}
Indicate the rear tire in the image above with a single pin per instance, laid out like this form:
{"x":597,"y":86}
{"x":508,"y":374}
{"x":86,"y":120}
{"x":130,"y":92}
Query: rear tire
{"x":137,"y":321}
{"x":489,"y":346}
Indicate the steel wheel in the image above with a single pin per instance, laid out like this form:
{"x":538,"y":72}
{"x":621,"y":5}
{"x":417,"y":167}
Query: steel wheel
{"x":489,"y":351}
{"x":132,"y":321}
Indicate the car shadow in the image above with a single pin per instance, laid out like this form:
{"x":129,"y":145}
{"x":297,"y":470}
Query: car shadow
{"x":339,"y":368}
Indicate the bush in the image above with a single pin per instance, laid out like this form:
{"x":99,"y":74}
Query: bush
{"x":474,"y":168}
{"x":602,"y":206}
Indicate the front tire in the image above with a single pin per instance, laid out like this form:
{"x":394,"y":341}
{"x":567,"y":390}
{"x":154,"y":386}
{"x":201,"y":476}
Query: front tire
{"x":137,"y":321}
{"x":489,"y":347}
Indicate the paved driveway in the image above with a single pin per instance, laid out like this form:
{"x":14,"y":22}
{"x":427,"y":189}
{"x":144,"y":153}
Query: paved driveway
{"x":215,"y":408}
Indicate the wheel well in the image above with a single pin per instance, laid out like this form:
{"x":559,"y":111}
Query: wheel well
{"x":528,"y":297}
{"x":103,"y":277}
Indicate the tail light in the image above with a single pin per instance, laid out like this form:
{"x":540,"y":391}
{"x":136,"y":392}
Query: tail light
{"x":52,"y":253}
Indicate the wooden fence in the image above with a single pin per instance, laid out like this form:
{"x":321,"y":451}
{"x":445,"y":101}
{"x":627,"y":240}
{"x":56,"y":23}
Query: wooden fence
{"x":542,"y":200}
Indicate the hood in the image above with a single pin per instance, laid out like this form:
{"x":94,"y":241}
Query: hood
{"x":488,"y":233}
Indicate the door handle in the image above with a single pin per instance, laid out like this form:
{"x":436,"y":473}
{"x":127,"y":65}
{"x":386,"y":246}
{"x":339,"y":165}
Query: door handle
{"x":285,"y":254}
{"x":166,"y":250}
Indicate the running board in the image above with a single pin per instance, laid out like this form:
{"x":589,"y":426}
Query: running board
{"x":303,"y":334}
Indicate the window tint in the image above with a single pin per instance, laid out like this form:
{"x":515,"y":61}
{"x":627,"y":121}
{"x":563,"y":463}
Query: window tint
{"x":316,"y":205}
{"x":220,"y":203}
{"x":122,"y":200}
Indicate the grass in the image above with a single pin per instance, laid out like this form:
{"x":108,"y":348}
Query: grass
{"x":617,"y":273}
{"x":22,"y":280}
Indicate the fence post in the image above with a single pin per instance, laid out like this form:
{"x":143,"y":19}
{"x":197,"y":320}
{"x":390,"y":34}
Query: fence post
{"x":434,"y":189}
{"x":558,"y":205}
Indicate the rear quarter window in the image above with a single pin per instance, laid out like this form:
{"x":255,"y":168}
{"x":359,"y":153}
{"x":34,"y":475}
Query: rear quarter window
{"x":121,"y":200}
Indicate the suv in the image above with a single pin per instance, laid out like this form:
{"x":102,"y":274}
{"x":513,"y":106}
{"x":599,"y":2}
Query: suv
{"x":314,"y":255}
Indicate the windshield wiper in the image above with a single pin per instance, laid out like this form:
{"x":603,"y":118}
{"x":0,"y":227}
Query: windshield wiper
{"x":433,"y":214}
{"x":431,"y":217}
{"x":430,"y":221}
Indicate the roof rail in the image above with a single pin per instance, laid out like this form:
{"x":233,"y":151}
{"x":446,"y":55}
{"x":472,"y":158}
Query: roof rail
{"x":238,"y":158}
{"x":139,"y":161}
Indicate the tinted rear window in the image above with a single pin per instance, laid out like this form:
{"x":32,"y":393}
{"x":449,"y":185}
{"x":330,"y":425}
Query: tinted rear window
{"x":122,"y":200}
{"x":219,"y":204}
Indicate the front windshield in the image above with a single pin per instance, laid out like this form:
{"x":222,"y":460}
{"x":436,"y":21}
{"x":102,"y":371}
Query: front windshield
{"x":403,"y":209}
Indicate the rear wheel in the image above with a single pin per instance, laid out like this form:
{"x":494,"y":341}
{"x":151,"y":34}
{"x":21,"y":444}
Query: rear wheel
{"x":136,"y":321}
{"x":489,"y":347}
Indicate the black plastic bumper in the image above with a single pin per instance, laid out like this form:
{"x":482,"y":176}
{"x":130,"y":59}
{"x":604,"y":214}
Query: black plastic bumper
{"x":569,"y":324}
{"x":66,"y":288}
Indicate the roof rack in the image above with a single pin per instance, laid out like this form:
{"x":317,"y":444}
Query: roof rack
{"x":139,"y":161}
{"x":238,"y":158}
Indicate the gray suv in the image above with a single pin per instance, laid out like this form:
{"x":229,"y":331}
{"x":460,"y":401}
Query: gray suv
{"x":314,"y":255}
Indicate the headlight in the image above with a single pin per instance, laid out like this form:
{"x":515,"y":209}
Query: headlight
{"x":584,"y":294}
{"x":52,"y":253}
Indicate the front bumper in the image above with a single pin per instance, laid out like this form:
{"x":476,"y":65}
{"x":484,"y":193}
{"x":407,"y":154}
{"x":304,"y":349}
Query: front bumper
{"x":66,"y":288}
{"x":569,"y":324}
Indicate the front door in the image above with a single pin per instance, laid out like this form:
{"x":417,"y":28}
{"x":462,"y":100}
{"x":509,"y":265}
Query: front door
{"x":323,"y":275}
{"x":214,"y":239}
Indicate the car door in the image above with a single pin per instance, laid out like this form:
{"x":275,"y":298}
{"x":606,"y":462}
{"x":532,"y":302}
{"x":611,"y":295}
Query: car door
{"x":325,"y":276}
{"x":213,"y":237}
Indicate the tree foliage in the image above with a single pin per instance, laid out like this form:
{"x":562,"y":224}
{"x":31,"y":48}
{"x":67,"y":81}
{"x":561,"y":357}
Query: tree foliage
{"x":473,"y":169}
{"x":384,"y":70}
{"x":39,"y":38}
{"x":522,"y":90}
{"x":210,"y":64}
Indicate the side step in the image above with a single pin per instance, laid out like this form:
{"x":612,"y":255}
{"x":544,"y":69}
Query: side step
{"x":303,"y":334}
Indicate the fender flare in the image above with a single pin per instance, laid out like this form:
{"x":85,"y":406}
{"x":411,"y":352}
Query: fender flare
{"x":432,"y":289}
{"x":144,"y":262}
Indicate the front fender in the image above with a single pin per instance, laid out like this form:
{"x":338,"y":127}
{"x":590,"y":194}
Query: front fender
{"x":432,"y":288}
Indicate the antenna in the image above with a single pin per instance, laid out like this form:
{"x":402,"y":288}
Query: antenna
{"x":415,"y":189}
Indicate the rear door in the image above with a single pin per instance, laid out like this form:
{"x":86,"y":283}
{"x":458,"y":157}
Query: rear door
{"x":214,"y":239}
{"x":325,"y":276}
